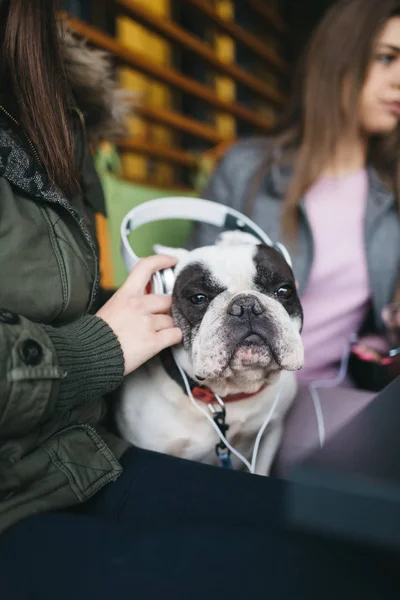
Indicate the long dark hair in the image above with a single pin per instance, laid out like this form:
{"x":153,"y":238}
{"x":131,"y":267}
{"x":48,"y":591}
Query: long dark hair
{"x":341,"y":47}
{"x":31,"y":59}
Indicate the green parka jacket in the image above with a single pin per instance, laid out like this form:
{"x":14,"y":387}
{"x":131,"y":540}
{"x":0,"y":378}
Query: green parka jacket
{"x":57,"y":360}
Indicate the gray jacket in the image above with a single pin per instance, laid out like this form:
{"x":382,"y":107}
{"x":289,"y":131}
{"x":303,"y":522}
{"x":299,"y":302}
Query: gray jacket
{"x":230,"y":184}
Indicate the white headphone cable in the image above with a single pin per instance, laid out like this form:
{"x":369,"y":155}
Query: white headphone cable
{"x":251,"y":467}
{"x":263,"y":428}
{"x":330,"y":383}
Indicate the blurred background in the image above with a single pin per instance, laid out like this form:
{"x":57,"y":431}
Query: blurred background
{"x":205,"y":72}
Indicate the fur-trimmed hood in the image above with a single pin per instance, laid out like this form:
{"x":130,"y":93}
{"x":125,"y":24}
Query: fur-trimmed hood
{"x":90,"y":75}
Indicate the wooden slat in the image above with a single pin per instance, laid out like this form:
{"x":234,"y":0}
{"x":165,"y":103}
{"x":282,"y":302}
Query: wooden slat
{"x":154,"y":184}
{"x":169,"y":76}
{"x":239,"y":34}
{"x":180,"y":123}
{"x":273,"y":19}
{"x":178,"y":157}
{"x":189,"y":42}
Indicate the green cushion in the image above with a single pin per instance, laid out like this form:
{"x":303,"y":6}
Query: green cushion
{"x":121,"y":196}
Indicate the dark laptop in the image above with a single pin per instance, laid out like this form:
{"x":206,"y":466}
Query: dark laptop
{"x":351,"y":487}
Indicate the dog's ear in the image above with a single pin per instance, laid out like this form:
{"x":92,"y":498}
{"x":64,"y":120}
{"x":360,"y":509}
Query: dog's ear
{"x":178,"y":253}
{"x":236,"y":238}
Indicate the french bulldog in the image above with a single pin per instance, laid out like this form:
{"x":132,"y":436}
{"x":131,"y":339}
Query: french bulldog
{"x":237,"y":306}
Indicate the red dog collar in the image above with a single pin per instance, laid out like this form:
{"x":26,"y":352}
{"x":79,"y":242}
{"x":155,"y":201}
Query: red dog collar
{"x":207,"y":396}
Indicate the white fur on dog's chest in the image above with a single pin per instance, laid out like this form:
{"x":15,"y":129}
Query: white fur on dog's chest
{"x":155,"y":414}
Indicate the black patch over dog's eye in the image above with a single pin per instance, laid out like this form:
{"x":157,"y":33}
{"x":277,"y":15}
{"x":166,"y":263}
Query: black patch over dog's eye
{"x":285,"y":292}
{"x":198,"y":299}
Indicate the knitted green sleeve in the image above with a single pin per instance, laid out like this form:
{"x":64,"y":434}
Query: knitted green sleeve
{"x":90,"y":357}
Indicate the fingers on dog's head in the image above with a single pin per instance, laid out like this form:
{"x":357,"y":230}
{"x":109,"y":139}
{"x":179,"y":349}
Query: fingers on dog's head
{"x":145,"y":269}
{"x":158,"y":303}
{"x":169,"y":337}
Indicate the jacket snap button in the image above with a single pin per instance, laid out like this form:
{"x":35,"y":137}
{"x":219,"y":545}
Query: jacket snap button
{"x":8,"y":317}
{"x":31,"y":352}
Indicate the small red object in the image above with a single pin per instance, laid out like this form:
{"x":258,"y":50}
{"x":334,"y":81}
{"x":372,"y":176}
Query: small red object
{"x":207,"y":396}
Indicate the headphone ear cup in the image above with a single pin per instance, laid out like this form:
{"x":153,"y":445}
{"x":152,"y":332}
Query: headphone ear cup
{"x":157,"y":283}
{"x":162,"y":282}
{"x":169,"y":280}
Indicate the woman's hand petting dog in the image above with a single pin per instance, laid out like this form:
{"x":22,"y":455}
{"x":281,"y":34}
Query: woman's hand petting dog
{"x":141,"y":321}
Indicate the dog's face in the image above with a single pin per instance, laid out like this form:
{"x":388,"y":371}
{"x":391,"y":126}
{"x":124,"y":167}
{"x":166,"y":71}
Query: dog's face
{"x":237,"y":306}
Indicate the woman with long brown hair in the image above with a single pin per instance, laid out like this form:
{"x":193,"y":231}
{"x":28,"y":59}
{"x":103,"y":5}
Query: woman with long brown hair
{"x":81,"y":515}
{"x":327,"y":183}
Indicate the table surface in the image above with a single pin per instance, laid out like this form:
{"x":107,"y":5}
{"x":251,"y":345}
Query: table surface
{"x":351,"y":487}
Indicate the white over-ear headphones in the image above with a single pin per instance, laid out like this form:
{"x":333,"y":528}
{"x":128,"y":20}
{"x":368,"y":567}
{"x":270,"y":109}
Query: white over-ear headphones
{"x":192,"y":209}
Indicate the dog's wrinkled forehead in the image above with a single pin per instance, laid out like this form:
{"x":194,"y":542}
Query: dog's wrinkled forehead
{"x":233,"y":268}
{"x":237,"y":261}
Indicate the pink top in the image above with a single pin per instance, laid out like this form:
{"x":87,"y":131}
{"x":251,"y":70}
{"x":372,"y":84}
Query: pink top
{"x":335,"y":301}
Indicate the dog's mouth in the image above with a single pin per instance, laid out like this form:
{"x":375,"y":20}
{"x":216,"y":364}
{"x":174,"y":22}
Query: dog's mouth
{"x":252,"y":351}
{"x":253,"y":340}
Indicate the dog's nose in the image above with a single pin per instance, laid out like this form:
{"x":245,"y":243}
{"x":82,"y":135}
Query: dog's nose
{"x":245,"y":306}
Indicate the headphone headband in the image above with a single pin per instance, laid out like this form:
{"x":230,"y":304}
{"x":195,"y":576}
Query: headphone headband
{"x":192,"y":209}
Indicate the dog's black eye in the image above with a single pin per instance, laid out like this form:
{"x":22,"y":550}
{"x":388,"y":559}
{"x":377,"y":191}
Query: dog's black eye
{"x":198,"y":299}
{"x":285,"y":292}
